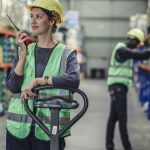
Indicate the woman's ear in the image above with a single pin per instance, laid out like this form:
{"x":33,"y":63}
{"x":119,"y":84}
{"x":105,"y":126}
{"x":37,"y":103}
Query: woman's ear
{"x":52,"y":22}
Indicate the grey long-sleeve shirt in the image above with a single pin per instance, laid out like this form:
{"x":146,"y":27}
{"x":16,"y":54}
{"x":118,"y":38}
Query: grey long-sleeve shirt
{"x":69,"y":79}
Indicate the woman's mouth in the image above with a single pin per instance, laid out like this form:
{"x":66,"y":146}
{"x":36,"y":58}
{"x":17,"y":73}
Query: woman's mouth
{"x":34,"y":27}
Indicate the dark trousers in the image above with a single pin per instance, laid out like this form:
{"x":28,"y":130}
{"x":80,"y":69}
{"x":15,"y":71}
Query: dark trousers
{"x":118,"y":112}
{"x":29,"y":143}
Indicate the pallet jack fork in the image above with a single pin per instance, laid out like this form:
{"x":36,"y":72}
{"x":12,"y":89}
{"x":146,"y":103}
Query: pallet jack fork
{"x":55,"y":104}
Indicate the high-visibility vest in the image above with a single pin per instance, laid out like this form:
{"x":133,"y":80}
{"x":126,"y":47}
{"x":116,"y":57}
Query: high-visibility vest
{"x":120,"y":72}
{"x":18,"y":121}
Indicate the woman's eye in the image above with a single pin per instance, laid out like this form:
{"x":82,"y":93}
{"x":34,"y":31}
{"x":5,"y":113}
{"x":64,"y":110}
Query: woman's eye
{"x":36,"y":17}
{"x":39,"y":17}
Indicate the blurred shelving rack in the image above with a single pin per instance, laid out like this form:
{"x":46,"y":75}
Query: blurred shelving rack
{"x":4,"y":92}
{"x":8,"y":51}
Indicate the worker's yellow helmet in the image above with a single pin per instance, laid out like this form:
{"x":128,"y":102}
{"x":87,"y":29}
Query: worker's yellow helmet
{"x":137,"y":33}
{"x":50,"y":5}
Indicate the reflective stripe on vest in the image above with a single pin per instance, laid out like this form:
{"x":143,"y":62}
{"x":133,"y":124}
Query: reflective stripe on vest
{"x":41,"y":95}
{"x":28,"y":119}
{"x":123,"y":67}
{"x":120,"y":76}
{"x":63,"y":69}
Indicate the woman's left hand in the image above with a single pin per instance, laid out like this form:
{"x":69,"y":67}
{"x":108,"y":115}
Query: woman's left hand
{"x":27,"y":93}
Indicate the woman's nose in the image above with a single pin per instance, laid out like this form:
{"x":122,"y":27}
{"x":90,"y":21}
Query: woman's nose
{"x":33,"y":20}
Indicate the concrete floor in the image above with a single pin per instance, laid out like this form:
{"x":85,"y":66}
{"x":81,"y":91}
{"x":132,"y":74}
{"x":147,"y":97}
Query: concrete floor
{"x":89,"y":132}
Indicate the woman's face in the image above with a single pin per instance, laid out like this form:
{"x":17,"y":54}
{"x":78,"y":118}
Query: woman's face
{"x":40,"y":24}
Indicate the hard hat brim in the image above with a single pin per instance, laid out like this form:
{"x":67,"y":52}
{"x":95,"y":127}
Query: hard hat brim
{"x":30,"y":6}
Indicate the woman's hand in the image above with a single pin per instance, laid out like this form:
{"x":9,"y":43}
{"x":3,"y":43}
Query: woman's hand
{"x":27,"y":93}
{"x":21,"y":38}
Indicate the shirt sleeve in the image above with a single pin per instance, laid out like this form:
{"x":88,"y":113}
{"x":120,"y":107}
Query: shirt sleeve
{"x":14,"y":81}
{"x":124,"y":53}
{"x":71,"y":77}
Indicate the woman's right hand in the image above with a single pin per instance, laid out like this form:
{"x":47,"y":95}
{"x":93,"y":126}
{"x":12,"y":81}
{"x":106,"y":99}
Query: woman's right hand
{"x":21,"y":38}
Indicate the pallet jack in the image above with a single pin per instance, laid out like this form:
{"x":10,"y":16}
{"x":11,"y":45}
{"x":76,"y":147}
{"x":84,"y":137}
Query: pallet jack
{"x":55,"y":103}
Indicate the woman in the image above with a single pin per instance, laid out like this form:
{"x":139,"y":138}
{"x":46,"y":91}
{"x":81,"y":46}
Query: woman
{"x":39,"y":64}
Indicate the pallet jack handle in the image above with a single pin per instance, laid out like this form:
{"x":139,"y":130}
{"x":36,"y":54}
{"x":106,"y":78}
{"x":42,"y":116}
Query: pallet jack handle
{"x":55,"y":107}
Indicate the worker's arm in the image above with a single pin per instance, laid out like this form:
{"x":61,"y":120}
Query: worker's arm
{"x":16,"y":75}
{"x":124,"y":53}
{"x":14,"y":81}
{"x":21,"y":37}
{"x":69,"y":79}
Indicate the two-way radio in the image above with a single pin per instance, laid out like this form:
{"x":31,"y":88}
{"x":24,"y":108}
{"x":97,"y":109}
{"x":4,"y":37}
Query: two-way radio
{"x":28,"y":41}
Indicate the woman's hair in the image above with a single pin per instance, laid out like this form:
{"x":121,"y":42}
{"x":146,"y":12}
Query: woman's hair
{"x":52,"y":16}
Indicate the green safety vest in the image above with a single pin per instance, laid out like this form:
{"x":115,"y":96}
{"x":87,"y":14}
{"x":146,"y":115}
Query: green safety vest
{"x":120,"y":72}
{"x":18,"y":121}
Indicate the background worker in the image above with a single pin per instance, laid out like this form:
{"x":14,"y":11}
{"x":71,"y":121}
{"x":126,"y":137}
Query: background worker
{"x":119,"y":79}
{"x":46,"y":62}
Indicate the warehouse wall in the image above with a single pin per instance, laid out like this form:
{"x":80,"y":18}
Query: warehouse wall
{"x":105,"y":21}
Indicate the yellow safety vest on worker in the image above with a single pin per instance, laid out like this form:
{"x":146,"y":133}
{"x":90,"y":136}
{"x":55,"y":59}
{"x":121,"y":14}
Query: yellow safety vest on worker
{"x":18,"y":121}
{"x":120,"y":72}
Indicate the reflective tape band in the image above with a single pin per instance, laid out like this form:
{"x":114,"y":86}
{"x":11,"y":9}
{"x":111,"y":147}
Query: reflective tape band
{"x":124,"y":67}
{"x":19,"y":117}
{"x":27,"y":119}
{"x":64,"y":58}
{"x":45,"y":95}
{"x":40,"y":95}
{"x":16,"y":95}
{"x":121,"y":76}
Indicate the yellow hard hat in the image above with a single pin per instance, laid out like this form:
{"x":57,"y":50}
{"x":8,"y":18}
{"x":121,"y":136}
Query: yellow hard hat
{"x":137,"y":33}
{"x":50,"y":5}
